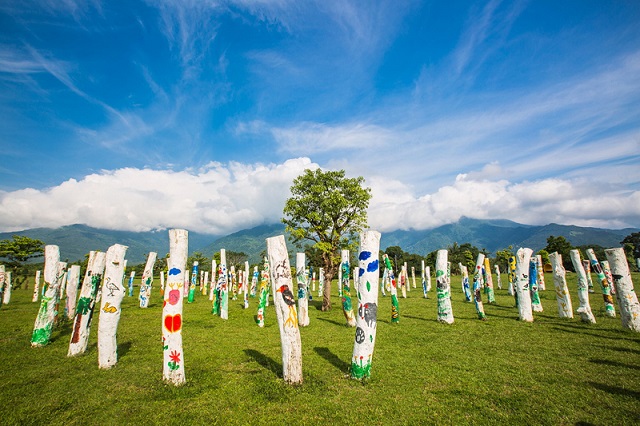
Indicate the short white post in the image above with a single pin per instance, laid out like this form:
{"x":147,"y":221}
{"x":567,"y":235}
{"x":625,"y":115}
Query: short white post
{"x":583,"y":288}
{"x":146,"y":282}
{"x":173,"y":355}
{"x":565,"y":308}
{"x":627,"y":298}
{"x":285,"y":309}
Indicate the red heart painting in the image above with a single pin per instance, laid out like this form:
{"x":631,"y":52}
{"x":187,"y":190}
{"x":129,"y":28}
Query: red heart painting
{"x":173,"y":323}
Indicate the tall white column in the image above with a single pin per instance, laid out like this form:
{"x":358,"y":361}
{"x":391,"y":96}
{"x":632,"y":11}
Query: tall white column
{"x":627,"y":298}
{"x":443,"y":288}
{"x":523,"y":260}
{"x":565,"y":308}
{"x":583,"y":288}
{"x":303,"y":300}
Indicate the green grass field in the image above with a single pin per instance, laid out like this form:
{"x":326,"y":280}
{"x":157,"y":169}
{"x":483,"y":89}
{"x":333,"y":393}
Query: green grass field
{"x":552,"y":371}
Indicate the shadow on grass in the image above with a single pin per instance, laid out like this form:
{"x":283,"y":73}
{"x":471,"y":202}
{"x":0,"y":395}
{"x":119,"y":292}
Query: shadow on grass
{"x":123,"y":349}
{"x":332,"y":358}
{"x":589,"y":332}
{"x":613,"y":363}
{"x":316,"y":304}
{"x":418,"y":318}
{"x":341,"y":324}
{"x":266,"y":362}
{"x":619,"y":349}
{"x":615,"y":390}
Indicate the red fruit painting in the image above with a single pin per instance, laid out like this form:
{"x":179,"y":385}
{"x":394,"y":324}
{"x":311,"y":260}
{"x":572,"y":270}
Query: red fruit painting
{"x":173,"y":323}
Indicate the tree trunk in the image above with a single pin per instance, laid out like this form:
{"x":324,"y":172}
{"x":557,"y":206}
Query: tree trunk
{"x":347,"y":307}
{"x":523,"y":265}
{"x":3,"y":278}
{"x":627,"y":298}
{"x":303,"y":299}
{"x":8,"y":285}
{"x":73,"y":279}
{"x":285,"y":310}
{"x":465,"y":282}
{"x":264,"y":292}
{"x":367,"y":290}
{"x":328,"y":277}
{"x":53,"y":272}
{"x":583,"y":289}
{"x":112,"y":295}
{"x":604,"y":284}
{"x":477,"y":286}
{"x":443,"y":288}
{"x":565,"y":308}
{"x":86,"y":303}
{"x":146,"y":282}
{"x":36,"y":288}
{"x":173,"y":355}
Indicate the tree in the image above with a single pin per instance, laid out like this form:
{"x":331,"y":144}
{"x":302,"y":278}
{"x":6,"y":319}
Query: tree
{"x":502,"y":258}
{"x":631,"y":246}
{"x":17,"y":251}
{"x":562,"y":246}
{"x":329,"y":210}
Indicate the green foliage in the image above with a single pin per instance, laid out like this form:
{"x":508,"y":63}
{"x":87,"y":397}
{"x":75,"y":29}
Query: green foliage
{"x":633,"y":240}
{"x":502,"y":258}
{"x":562,"y":246}
{"x":329,"y":210}
{"x":422,"y":372}
{"x":466,"y":254}
{"x":16,"y":251}
{"x":545,"y":256}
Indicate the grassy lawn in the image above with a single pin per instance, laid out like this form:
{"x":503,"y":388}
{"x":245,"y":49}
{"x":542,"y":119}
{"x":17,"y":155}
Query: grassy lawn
{"x":553,"y":371}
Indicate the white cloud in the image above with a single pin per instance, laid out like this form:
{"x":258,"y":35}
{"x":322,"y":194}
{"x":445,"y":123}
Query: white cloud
{"x":217,"y":199}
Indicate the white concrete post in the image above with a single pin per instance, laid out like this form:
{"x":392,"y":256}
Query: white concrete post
{"x":285,"y":309}
{"x":627,"y":298}
{"x":367,"y":289}
{"x":320,"y":281}
{"x":36,"y":287}
{"x":541,"y":284}
{"x":86,"y":302}
{"x":428,"y":273}
{"x":536,"y":304}
{"x":214,"y":280}
{"x":53,"y":272}
{"x":477,"y":287}
{"x":6,"y":297}
{"x":146,"y":282}
{"x":112,"y":295}
{"x":245,"y":284}
{"x":565,"y":308}
{"x":498,"y":278}
{"x":224,"y":286}
{"x":73,"y":279}
{"x":523,"y":261}
{"x":303,"y":300}
{"x":173,"y":355}
{"x":205,"y":284}
{"x":347,"y":306}
{"x":443,"y":288}
{"x":488,"y":282}
{"x":583,"y":288}
{"x":604,"y":284}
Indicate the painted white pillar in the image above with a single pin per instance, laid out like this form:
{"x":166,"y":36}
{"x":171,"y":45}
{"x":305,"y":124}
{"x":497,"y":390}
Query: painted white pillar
{"x":265,"y":276}
{"x":173,"y":354}
{"x":423,"y":279}
{"x":214,"y":280}
{"x":523,"y":263}
{"x":205,"y":284}
{"x":393,"y":290}
{"x":583,"y":288}
{"x":512,"y":278}
{"x":224,"y":287}
{"x":194,"y":281}
{"x":347,"y":306}
{"x":8,"y":286}
{"x":627,"y":298}
{"x":86,"y":302}
{"x":36,"y":287}
{"x":285,"y":309}
{"x":162,"y":284}
{"x":587,"y":269}
{"x":63,"y":285}
{"x":303,"y":300}
{"x":565,"y":308}
{"x":541,"y":284}
{"x":320,"y":281}
{"x":477,"y":287}
{"x":536,"y":304}
{"x":465,"y":282}
{"x":607,"y":273}
{"x":112,"y":295}
{"x":245,"y":284}
{"x":384,"y":281}
{"x":132,"y":275}
{"x":313,"y":282}
{"x":73,"y":280}
{"x":403,"y":280}
{"x":367,"y":289}
{"x":413,"y":276}
{"x":202,"y":290}
{"x":443,"y":288}
{"x":254,"y":282}
{"x":428,"y":273}
{"x":3,"y":277}
{"x":498,"y":278}
{"x":488,"y":282}
{"x":146,"y":282}
{"x":604,"y":284}
{"x":53,"y":272}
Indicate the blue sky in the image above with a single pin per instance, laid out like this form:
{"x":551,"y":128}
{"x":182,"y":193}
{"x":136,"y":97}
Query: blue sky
{"x":198,"y":114}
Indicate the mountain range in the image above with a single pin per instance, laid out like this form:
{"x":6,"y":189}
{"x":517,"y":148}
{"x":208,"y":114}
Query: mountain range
{"x":77,"y":240}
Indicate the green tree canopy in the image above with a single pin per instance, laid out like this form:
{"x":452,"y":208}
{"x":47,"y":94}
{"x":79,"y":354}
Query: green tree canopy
{"x":329,"y":210}
{"x":562,"y":246}
{"x":16,"y":251}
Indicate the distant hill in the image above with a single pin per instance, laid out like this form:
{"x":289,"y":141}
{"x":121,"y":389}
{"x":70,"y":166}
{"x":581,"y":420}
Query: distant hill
{"x":77,"y":240}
